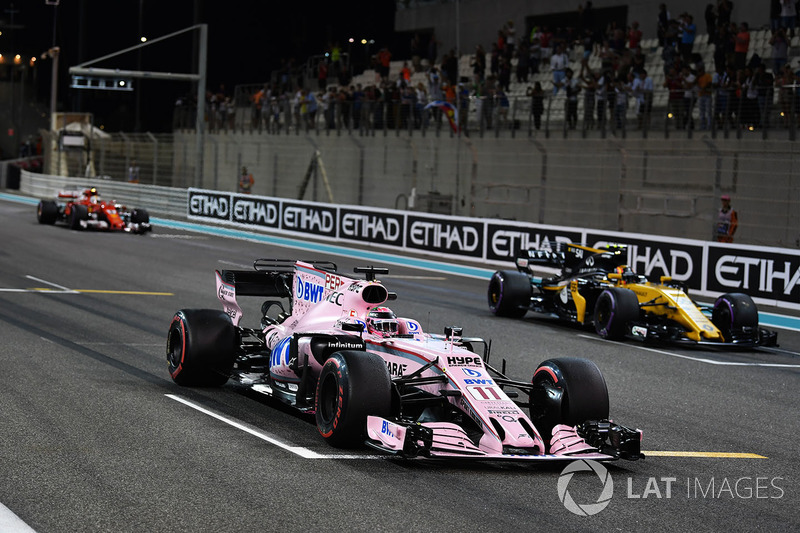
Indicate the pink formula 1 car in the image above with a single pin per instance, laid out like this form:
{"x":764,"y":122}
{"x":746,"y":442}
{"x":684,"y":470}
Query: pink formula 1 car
{"x":367,"y":376}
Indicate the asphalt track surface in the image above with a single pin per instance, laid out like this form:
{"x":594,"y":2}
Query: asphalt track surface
{"x":96,"y":437}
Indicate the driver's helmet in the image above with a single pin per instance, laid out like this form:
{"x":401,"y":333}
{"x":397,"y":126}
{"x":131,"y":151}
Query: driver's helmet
{"x":91,"y":194}
{"x":382,"y":321}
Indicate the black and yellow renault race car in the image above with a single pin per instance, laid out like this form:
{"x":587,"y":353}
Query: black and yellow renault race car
{"x":596,"y":288}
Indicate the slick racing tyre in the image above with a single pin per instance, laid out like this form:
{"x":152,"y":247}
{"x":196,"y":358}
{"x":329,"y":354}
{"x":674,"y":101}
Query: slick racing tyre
{"x":201,"y":347}
{"x":569,"y":391}
{"x":78,"y":213}
{"x":140,"y":216}
{"x":351,"y":386}
{"x":614,"y":310}
{"x":47,"y":212}
{"x":736,"y":315}
{"x":509,"y":293}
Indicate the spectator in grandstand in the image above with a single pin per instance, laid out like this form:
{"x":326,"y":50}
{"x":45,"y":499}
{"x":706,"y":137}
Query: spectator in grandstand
{"x":674,"y":84}
{"x":358,"y":105}
{"x":634,"y":36}
{"x":784,"y":83}
{"x":558,"y":65}
{"x":523,"y":61}
{"x":780,"y":49}
{"x":711,"y":23}
{"x":450,"y":67}
{"x":750,"y":118}
{"x":504,"y":73}
{"x":622,"y":89}
{"x":433,"y":48}
{"x":536,"y":95}
{"x":662,"y":23}
{"x":510,"y":33}
{"x":535,"y":55}
{"x":705,"y":91}
{"x":742,"y":46}
{"x":589,"y":87}
{"x":764,"y":85}
{"x":774,"y":14}
{"x":721,"y":82}
{"x":642,"y":90}
{"x":724,"y":10}
{"x":688,"y":34}
{"x":727,"y":221}
{"x":478,"y":63}
{"x":572,"y":88}
{"x":322,"y":75}
{"x":133,"y":170}
{"x":384,"y":61}
{"x":723,"y":47}
{"x":789,"y":15}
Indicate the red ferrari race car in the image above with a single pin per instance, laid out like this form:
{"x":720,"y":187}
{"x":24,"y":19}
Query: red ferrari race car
{"x":86,"y":210}
{"x":369,"y":377}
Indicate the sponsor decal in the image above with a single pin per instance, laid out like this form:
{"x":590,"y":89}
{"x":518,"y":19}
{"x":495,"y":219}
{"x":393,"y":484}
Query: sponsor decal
{"x":757,"y":273}
{"x":471,"y":373}
{"x":463,"y":361}
{"x":208,"y":204}
{"x":505,"y":241}
{"x":307,"y":291}
{"x":382,"y":228}
{"x":256,"y":211}
{"x":396,"y":369}
{"x":639,"y":331}
{"x":481,"y":381}
{"x":488,"y":393}
{"x":333,"y":282}
{"x":335,"y":298}
{"x":447,"y":236}
{"x":658,"y":257}
{"x":308,"y":218}
{"x":281,"y":353}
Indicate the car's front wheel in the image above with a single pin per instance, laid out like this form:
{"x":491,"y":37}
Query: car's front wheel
{"x":614,"y":310}
{"x":78,"y":213}
{"x":569,"y":391}
{"x":352,"y":385}
{"x":735,"y":314}
{"x":201,"y":347}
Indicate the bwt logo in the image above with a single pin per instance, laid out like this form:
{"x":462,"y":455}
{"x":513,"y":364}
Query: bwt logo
{"x":309,"y":292}
{"x":370,"y":227}
{"x":210,"y":206}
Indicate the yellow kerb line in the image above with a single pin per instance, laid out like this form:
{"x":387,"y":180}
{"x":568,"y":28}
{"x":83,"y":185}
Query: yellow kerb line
{"x":716,"y":455}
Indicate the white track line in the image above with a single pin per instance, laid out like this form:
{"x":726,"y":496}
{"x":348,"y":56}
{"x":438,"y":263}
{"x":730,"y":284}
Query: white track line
{"x":305,"y":453}
{"x":11,"y":523}
{"x":698,"y":359}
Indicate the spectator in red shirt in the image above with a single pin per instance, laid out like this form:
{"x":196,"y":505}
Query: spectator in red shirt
{"x":634,"y":36}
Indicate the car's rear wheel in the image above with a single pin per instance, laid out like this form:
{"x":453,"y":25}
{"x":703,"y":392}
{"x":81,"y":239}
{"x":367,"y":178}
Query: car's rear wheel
{"x":352,"y":385}
{"x":78,"y":213}
{"x":614,"y":310}
{"x":569,"y":391}
{"x":734,"y":314}
{"x":509,"y":293}
{"x":201,"y":347}
{"x":47,"y":212}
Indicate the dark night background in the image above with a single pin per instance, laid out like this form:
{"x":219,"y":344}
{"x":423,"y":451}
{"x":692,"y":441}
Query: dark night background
{"x":246,"y":41}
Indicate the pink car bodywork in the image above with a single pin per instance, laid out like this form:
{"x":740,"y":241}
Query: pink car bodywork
{"x":444,"y":368}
